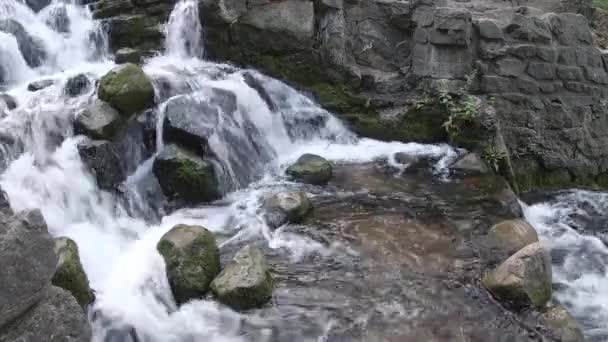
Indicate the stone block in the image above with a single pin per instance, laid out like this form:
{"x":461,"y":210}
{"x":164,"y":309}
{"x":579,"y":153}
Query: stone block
{"x":569,"y":73}
{"x":597,"y":75}
{"x":550,"y":87}
{"x":531,"y":29}
{"x":496,"y":84}
{"x":510,"y":67}
{"x":421,"y":35}
{"x":488,"y":29}
{"x":547,"y":54}
{"x":491,"y":49}
{"x":527,"y":86}
{"x":447,"y":37}
{"x":523,"y":50}
{"x":577,"y":87}
{"x":541,"y":71}
{"x":567,"y":56}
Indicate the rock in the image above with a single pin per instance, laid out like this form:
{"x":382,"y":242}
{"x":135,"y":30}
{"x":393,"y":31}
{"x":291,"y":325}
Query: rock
{"x":524,"y":279}
{"x":37,"y":5}
{"x":184,"y":176}
{"x":245,"y":282}
{"x":563,"y":326}
{"x":39,"y":85}
{"x":292,"y":18}
{"x":70,"y":274}
{"x":57,"y":318}
{"x":102,"y":159}
{"x":311,"y":169}
{"x":27,"y":261}
{"x":58,"y":19}
{"x":415,"y":164}
{"x":488,"y":29}
{"x":190,"y":121}
{"x":32,"y":49}
{"x":127,"y":88}
{"x":137,"y":31}
{"x":127,"y":55}
{"x":98,"y":121}
{"x":8,"y":101}
{"x":512,"y":235}
{"x":192,"y":260}
{"x":77,"y":85}
{"x":287,"y":206}
{"x":470,"y":164}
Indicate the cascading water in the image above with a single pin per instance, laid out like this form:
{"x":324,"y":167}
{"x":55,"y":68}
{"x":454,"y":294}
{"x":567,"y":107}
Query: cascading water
{"x":269,"y":126}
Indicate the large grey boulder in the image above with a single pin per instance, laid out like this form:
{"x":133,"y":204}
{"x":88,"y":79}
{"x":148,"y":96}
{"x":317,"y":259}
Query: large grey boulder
{"x":563,"y":326}
{"x":524,"y":279}
{"x":311,"y":169}
{"x":192,"y":260}
{"x":57,"y":318}
{"x":245,"y":282}
{"x":31,"y":48}
{"x":286,"y":206}
{"x":98,"y":121}
{"x":70,"y":274}
{"x":102,"y":159}
{"x":27,"y":261}
{"x":184,"y":176}
{"x":512,"y":235}
{"x":127,"y":88}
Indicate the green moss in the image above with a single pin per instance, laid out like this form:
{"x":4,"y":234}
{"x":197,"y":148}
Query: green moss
{"x":540,"y":295}
{"x":311,"y":169}
{"x":70,"y":274}
{"x":127,"y":88}
{"x":191,"y":265}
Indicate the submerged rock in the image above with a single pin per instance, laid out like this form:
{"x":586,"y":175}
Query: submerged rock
{"x":32,"y":49}
{"x":70,"y":274}
{"x":563,"y":326}
{"x":58,"y":19}
{"x":311,"y":169}
{"x":184,"y":176}
{"x":470,"y":164}
{"x":57,"y":318}
{"x":39,"y":85}
{"x":512,"y":235}
{"x":27,"y":261}
{"x":524,"y":279}
{"x":127,"y":88}
{"x":416,"y":164}
{"x":37,"y":5}
{"x":192,"y":260}
{"x":127,"y":55}
{"x":287,"y":206}
{"x":77,"y":85}
{"x":98,"y":121}
{"x":8,"y":101}
{"x":101,"y":157}
{"x":245,"y":282}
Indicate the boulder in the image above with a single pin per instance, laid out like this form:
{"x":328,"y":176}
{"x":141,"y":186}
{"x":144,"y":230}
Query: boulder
{"x":70,"y":274}
{"x":512,"y":235}
{"x":192,"y":260}
{"x":102,"y":159}
{"x":184,"y":176}
{"x":58,"y":19}
{"x":32,"y":49}
{"x":127,"y":88}
{"x":127,"y":55}
{"x":27,"y":261}
{"x":287,"y":206}
{"x":77,"y":85}
{"x":9,"y":102}
{"x":57,"y":318}
{"x":470,"y":164}
{"x":98,"y":121}
{"x":37,"y":5}
{"x":39,"y":85}
{"x":524,"y":279}
{"x":311,"y":169}
{"x":245,"y":282}
{"x":190,"y":121}
{"x":563,"y":326}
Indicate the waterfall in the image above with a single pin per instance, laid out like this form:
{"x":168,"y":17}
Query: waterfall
{"x":271,"y":126}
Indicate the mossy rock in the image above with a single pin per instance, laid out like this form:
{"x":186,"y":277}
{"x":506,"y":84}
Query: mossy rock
{"x":311,"y":169}
{"x":192,"y":260}
{"x":245,"y":282}
{"x":184,"y":176}
{"x":70,"y":274}
{"x":512,"y":235}
{"x":127,"y":88}
{"x":524,"y":279}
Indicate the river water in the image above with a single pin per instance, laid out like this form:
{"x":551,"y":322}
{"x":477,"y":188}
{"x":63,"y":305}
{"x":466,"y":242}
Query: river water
{"x":117,"y":232}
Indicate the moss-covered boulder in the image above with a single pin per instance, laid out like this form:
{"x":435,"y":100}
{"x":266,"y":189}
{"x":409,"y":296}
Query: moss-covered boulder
{"x":192,"y":260}
{"x":311,"y":169}
{"x":245,"y":282}
{"x":563,"y":326}
{"x":512,"y":235}
{"x":524,"y":279}
{"x":286,"y":206}
{"x":185,"y":176}
{"x":70,"y":274}
{"x":127,"y":88}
